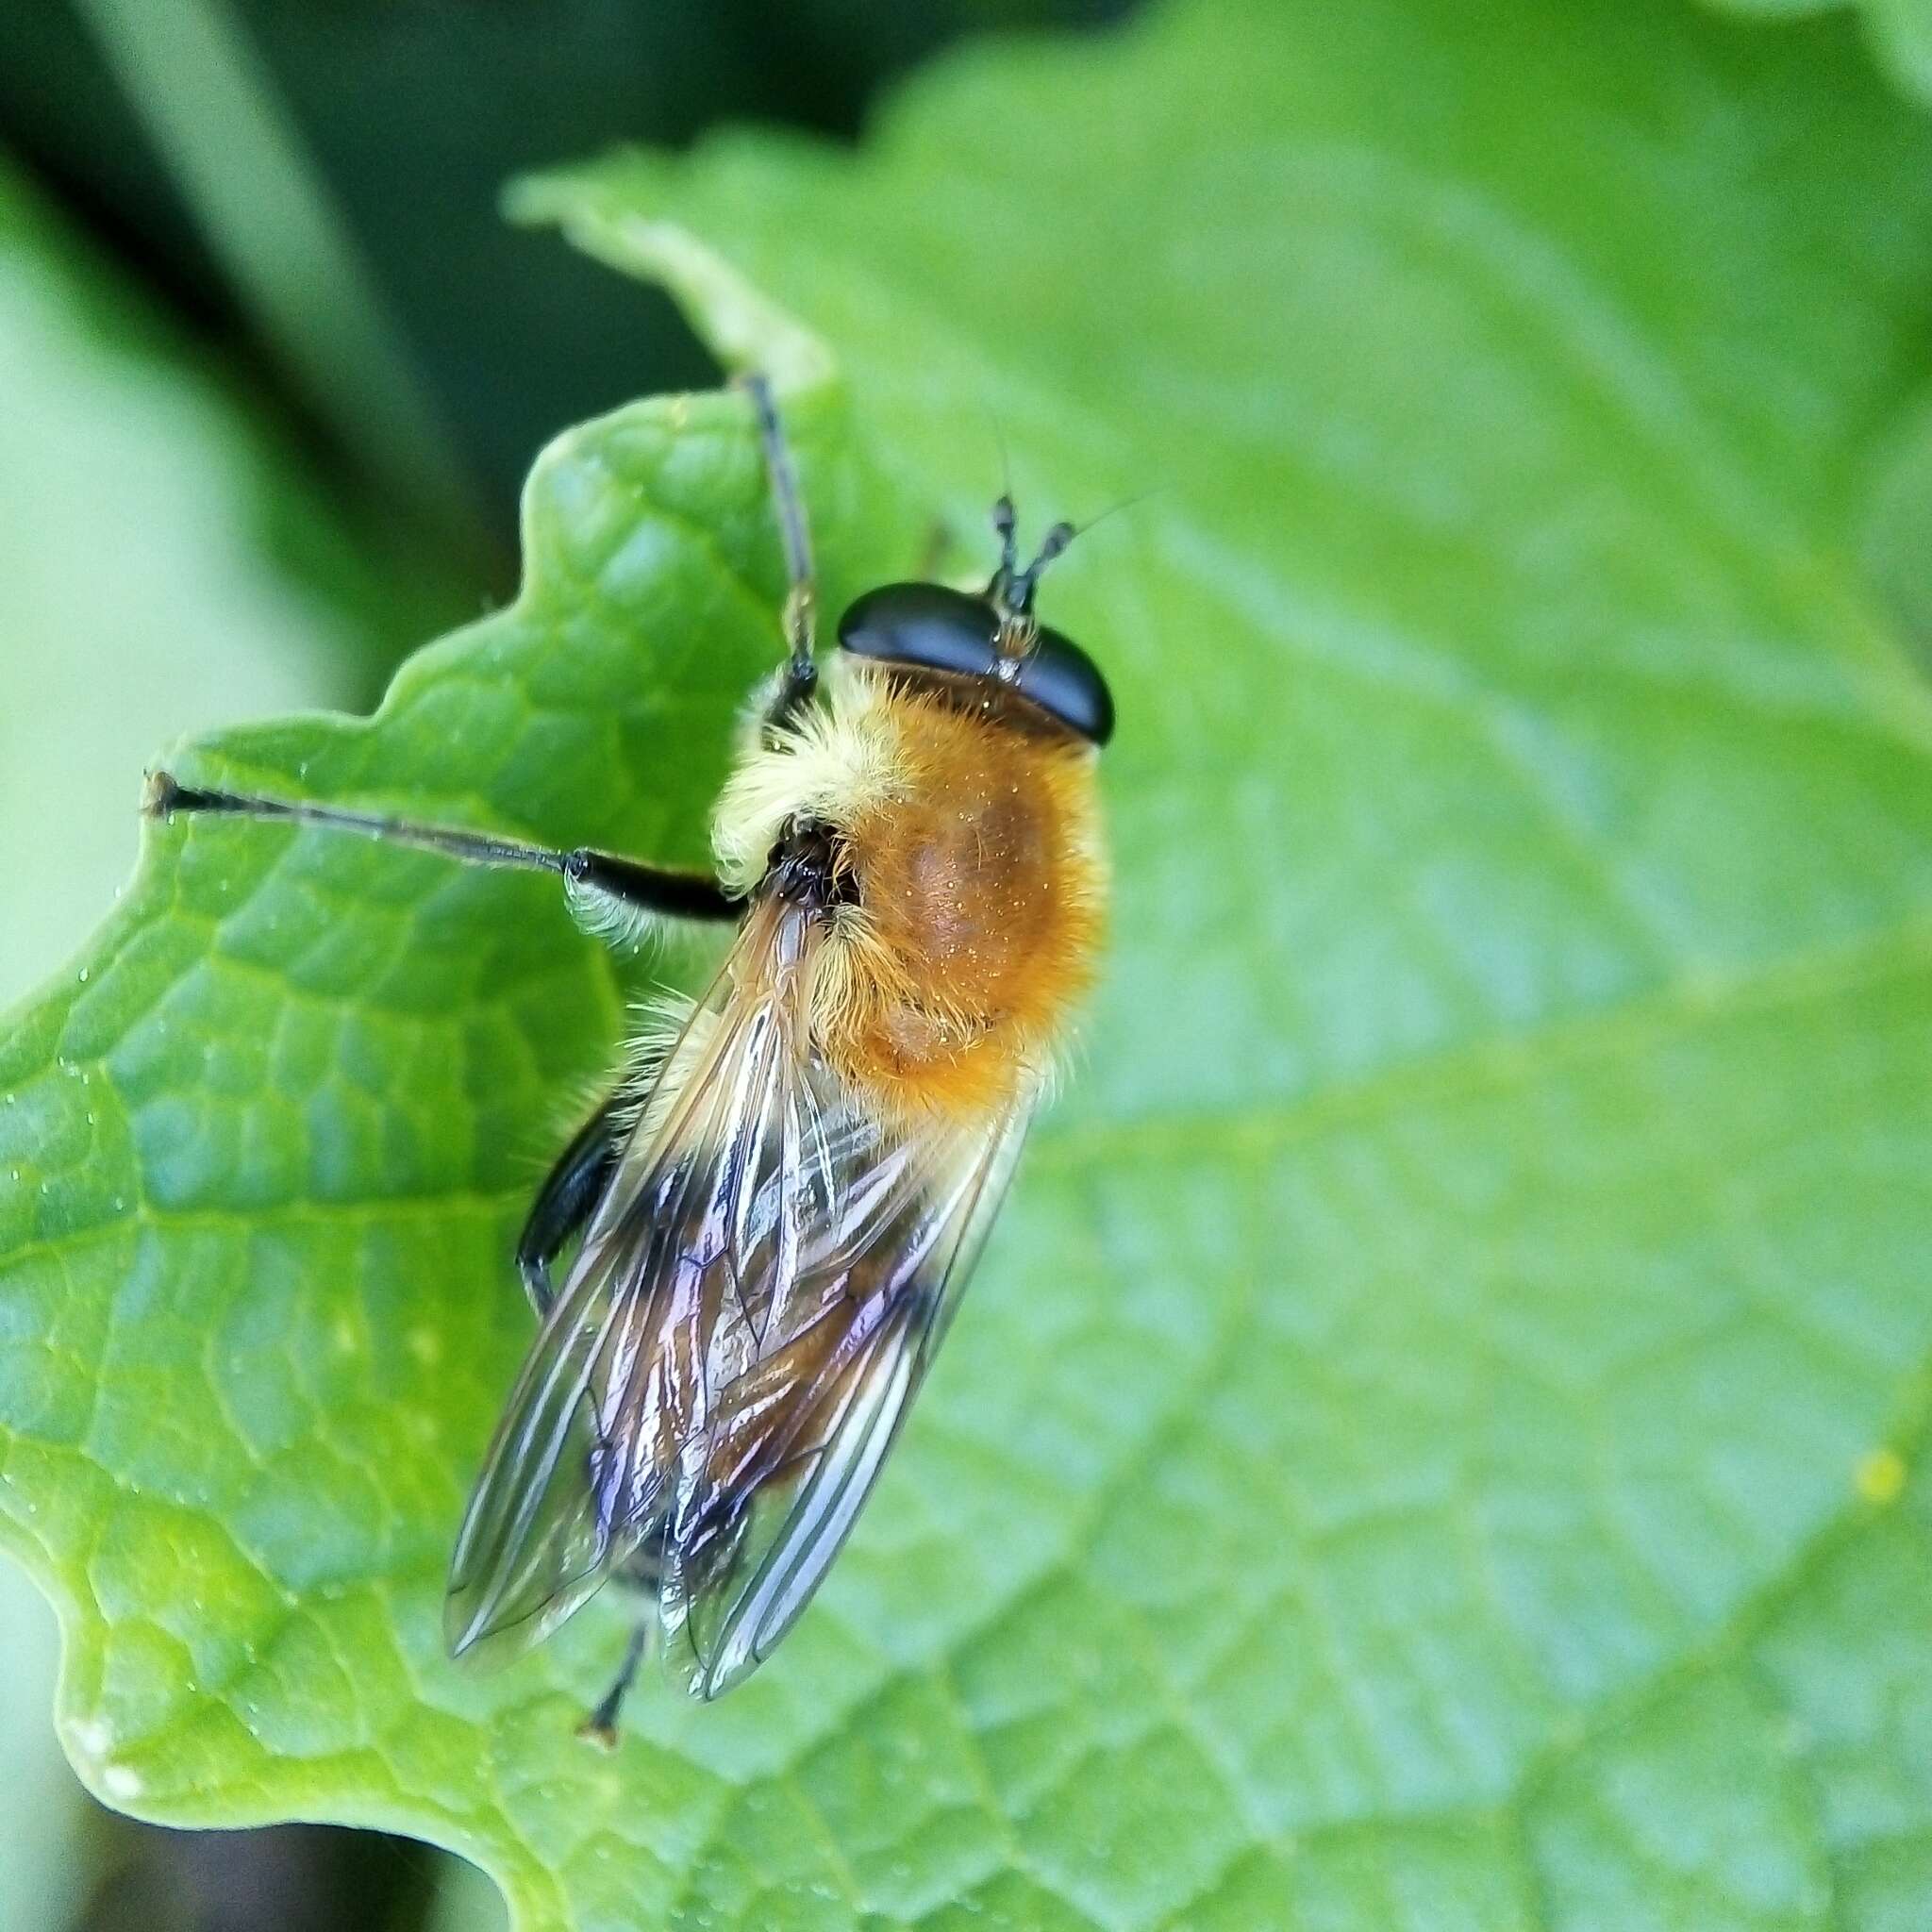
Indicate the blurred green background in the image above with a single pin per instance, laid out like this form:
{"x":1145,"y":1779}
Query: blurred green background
{"x":261,"y":318}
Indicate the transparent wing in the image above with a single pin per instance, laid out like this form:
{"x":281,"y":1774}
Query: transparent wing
{"x":799,"y":1438}
{"x":752,"y":1308}
{"x":572,"y":1482}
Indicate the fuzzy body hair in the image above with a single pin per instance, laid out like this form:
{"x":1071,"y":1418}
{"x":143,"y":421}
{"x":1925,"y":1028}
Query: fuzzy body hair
{"x":970,"y":837}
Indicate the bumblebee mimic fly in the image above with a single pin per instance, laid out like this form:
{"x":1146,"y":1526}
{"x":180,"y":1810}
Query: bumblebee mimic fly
{"x":744,"y":1264}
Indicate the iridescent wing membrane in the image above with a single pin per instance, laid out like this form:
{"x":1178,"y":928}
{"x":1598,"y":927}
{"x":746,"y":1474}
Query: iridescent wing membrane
{"x":753,"y":1306}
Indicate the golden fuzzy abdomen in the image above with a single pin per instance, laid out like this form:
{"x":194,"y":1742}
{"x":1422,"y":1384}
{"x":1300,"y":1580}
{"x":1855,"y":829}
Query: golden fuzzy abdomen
{"x":977,"y":919}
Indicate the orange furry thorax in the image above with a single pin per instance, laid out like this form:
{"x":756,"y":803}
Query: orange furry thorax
{"x":971,"y":839}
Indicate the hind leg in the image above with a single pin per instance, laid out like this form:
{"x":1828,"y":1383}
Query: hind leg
{"x":643,"y":1574}
{"x":600,"y":1728}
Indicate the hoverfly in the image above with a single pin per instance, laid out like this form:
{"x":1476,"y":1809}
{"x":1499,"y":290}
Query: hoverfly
{"x":775,"y":1210}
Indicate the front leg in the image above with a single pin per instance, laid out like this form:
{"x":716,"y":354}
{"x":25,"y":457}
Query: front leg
{"x":567,"y":1198}
{"x":798,"y":680}
{"x":586,"y":874}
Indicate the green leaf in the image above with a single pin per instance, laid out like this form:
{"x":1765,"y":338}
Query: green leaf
{"x":116,"y":440}
{"x":1435,"y":1440}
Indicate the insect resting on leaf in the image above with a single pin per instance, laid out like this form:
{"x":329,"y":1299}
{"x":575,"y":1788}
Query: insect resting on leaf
{"x":775,"y":1212}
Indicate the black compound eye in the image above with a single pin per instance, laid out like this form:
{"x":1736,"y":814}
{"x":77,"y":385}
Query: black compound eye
{"x":931,"y":627}
{"x":924,"y":624}
{"x":1061,"y":679}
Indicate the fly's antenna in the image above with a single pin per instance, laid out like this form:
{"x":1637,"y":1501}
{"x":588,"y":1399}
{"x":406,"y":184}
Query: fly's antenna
{"x":1005,"y":522}
{"x":1013,"y":589}
{"x":1002,"y":529}
{"x":1020,"y":591}
{"x":1006,"y":528}
{"x":1113,"y":509}
{"x":999,"y":442}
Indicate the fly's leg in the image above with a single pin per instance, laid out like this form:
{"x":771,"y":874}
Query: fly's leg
{"x":643,"y":1573}
{"x":568,"y":1199}
{"x":645,"y":888}
{"x":600,"y":1728}
{"x":799,"y":677}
